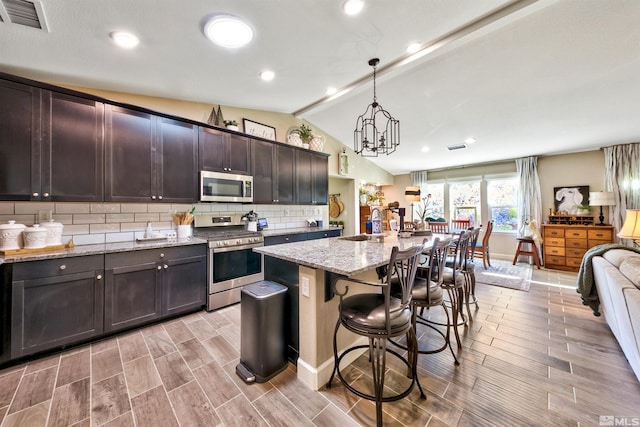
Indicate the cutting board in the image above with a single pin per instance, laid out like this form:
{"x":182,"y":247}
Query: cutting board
{"x":12,"y":252}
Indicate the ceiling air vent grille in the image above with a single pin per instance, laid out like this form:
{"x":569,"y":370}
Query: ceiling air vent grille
{"x":456,"y":147}
{"x":24,"y":12}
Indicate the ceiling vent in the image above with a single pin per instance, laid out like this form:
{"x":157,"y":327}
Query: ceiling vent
{"x":456,"y":147}
{"x":23,"y":12}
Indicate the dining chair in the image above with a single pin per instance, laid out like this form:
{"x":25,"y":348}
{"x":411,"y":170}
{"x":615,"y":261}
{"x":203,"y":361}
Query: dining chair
{"x":470,"y":292}
{"x":380,"y":316}
{"x":439,"y":227}
{"x":481,"y":249}
{"x":459,"y":224}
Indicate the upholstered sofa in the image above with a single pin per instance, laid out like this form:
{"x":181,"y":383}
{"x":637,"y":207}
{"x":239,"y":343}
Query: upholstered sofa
{"x":617,"y":279}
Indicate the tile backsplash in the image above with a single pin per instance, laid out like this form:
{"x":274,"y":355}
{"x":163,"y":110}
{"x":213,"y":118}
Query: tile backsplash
{"x":94,"y":223}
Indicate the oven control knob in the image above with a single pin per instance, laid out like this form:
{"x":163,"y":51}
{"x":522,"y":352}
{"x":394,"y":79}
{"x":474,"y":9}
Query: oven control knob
{"x":226,"y":243}
{"x":239,"y":241}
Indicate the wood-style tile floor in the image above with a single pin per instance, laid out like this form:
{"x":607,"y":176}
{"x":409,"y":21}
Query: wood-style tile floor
{"x":537,"y":358}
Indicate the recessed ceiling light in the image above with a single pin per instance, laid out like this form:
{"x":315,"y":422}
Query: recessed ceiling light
{"x":470,"y":140}
{"x":124,"y":39}
{"x":228,"y":31}
{"x":424,"y":149}
{"x":352,"y":7}
{"x":331,"y":90}
{"x":267,"y":75}
{"x":413,"y":47}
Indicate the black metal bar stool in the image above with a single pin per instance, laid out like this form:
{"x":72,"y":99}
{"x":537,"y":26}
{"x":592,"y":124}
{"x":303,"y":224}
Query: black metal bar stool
{"x":380,"y":317}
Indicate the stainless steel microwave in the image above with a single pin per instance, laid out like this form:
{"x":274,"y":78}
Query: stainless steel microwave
{"x":225,"y":187}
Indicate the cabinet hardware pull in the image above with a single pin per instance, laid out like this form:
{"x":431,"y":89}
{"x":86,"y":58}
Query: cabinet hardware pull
{"x":159,"y":267}
{"x":160,"y":197}
{"x":36,"y":194}
{"x":45,"y":194}
{"x":166,"y":266}
{"x":161,"y":254}
{"x":99,"y":277}
{"x":153,"y":197}
{"x":62,"y":267}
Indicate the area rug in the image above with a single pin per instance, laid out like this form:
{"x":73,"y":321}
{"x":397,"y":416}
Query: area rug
{"x":502,"y":273}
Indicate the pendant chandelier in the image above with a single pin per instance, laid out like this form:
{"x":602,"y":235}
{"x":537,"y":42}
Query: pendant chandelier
{"x":377,"y":132}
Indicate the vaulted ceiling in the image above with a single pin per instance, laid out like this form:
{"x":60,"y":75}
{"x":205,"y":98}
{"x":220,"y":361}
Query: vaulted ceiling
{"x":522,"y":78}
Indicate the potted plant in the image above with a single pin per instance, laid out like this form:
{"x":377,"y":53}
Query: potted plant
{"x":363,"y":196}
{"x":583,"y":209}
{"x":231,"y":124}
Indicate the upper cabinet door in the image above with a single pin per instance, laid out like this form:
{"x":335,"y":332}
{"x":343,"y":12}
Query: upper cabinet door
{"x":320,"y":179}
{"x":129,"y":156}
{"x":285,"y":175}
{"x":177,"y":146}
{"x":312,"y":180}
{"x":224,"y":152}
{"x":19,"y":140}
{"x":72,"y":148}
{"x":263,"y":172}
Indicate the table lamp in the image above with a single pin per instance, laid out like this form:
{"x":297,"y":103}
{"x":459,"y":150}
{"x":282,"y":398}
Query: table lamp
{"x":601,"y":198}
{"x":412,"y":194}
{"x":631,"y":227}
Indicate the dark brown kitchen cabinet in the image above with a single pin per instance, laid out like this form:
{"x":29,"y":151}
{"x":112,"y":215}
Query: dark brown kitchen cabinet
{"x":312,"y":179}
{"x":273,"y":173}
{"x":224,"y":152}
{"x":142,"y":286}
{"x":55,"y":303}
{"x":149,"y":158}
{"x":51,"y":145}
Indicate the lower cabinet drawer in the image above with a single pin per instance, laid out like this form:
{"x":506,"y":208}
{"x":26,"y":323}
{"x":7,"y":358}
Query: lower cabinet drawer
{"x":606,"y":235}
{"x":577,"y":243}
{"x":553,"y":260}
{"x":574,"y":262}
{"x":575,"y":252}
{"x":554,"y":250}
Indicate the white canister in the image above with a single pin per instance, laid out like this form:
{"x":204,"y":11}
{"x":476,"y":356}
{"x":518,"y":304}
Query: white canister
{"x":54,"y":232}
{"x":184,"y":231}
{"x":11,"y":235}
{"x":34,"y":237}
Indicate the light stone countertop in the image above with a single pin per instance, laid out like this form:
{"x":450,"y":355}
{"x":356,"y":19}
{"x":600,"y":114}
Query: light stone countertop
{"x":284,"y":231}
{"x":342,"y":256}
{"x":82,"y":250}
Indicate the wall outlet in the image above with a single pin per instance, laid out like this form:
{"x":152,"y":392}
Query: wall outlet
{"x":304,"y":285}
{"x":287,"y":212}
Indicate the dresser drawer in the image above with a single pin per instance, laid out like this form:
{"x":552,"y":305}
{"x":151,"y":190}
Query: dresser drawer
{"x":575,"y":252}
{"x":554,"y":250}
{"x":554,"y":241}
{"x":606,"y":235}
{"x":577,"y":243}
{"x":553,"y":260}
{"x":575,"y":234}
{"x":553,"y":232}
{"x":593,"y":243}
{"x":573,"y":262}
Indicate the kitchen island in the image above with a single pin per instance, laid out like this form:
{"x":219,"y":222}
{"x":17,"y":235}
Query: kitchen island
{"x":322,"y":263}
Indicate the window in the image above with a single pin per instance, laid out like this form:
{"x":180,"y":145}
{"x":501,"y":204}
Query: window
{"x":502,"y":202}
{"x":464,"y":199}
{"x":437,"y":200}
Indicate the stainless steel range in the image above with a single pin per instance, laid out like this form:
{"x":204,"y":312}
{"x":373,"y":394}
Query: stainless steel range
{"x":231,"y":261}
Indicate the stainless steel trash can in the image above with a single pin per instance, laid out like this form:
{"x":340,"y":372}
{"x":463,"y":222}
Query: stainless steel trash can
{"x":262,"y":344}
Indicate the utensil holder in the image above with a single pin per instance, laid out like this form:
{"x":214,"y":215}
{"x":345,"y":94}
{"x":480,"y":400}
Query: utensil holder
{"x":184,"y":231}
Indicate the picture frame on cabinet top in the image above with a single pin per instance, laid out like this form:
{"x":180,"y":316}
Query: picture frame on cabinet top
{"x":259,"y":129}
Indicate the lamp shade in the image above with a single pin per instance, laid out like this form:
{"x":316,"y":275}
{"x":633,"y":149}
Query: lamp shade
{"x":601,"y":198}
{"x":412,"y":194}
{"x":631,"y":227}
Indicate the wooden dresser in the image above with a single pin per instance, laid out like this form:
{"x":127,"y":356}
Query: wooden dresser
{"x":565,"y":245}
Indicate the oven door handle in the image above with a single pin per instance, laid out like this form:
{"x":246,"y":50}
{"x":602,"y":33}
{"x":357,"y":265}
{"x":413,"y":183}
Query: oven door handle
{"x":218,"y":250}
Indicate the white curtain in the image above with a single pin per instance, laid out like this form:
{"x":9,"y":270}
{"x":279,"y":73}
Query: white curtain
{"x":622,"y":174}
{"x":419,"y":179}
{"x":529,"y":195}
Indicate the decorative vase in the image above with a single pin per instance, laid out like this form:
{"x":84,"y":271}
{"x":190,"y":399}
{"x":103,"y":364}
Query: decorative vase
{"x":232,"y":127}
{"x":363,"y":200}
{"x":317,"y":143}
{"x":294,"y":139}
